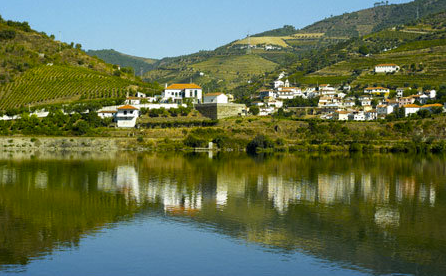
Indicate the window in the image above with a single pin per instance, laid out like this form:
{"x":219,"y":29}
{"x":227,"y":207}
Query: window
{"x":125,"y":112}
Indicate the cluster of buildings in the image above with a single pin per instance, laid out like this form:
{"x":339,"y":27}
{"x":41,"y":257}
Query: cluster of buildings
{"x":335,"y":102}
{"x":374,"y":104}
{"x":173,"y":96}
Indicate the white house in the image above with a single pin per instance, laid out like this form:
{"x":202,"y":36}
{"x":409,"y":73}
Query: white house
{"x":215,"y":98}
{"x":365,"y":101}
{"x":431,"y":94}
{"x":267,"y":93}
{"x":278,"y":83}
{"x":371,"y":115}
{"x":288,"y":92}
{"x":376,"y":90}
{"x":179,"y":92}
{"x":386,"y":68}
{"x":405,"y":101}
{"x":107,"y":113}
{"x":275,"y":103}
{"x":357,"y":116}
{"x":411,"y":109}
{"x":341,"y":115}
{"x":281,"y":75}
{"x":400,"y":91}
{"x":126,"y":116}
{"x":384,"y":110}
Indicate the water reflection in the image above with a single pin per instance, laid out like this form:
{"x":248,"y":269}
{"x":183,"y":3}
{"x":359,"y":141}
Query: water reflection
{"x":377,"y":212}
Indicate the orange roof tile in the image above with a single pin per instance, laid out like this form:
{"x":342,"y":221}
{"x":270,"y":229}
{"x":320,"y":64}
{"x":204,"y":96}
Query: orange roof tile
{"x":213,"y":94}
{"x":411,"y":106}
{"x":181,"y":86}
{"x":386,"y":64}
{"x":432,"y":105}
{"x":374,"y":88}
{"x":128,"y":107}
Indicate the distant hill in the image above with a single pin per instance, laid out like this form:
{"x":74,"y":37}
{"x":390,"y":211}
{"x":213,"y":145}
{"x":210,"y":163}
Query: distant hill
{"x":35,"y":69}
{"x":123,"y":60}
{"x":418,"y":47}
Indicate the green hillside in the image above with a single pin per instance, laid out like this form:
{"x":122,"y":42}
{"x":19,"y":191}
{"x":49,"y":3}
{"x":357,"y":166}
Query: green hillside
{"x":419,"y":48}
{"x":123,"y":60}
{"x":421,"y":56}
{"x":305,"y":51}
{"x":54,"y":84}
{"x":375,"y":19}
{"x":36,"y":69}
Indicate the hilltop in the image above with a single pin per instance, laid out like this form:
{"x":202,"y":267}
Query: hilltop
{"x":114,"y":57}
{"x":36,"y":69}
{"x":380,"y":17}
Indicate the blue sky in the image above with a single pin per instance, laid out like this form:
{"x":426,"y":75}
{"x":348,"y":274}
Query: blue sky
{"x":163,"y":28}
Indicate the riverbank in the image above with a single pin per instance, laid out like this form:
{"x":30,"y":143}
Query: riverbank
{"x":260,"y":134}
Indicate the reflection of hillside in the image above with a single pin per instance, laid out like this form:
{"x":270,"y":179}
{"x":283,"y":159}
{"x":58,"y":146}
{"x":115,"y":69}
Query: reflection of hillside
{"x":46,"y":205}
{"x":378,"y":212}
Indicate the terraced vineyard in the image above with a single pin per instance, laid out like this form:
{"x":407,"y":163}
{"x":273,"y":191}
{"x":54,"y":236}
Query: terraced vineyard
{"x":51,"y":84}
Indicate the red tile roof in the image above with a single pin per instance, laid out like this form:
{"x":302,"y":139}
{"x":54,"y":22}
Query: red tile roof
{"x":181,"y":86}
{"x":127,"y":107}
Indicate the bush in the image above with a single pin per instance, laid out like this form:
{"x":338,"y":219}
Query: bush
{"x":194,"y":142}
{"x":259,"y":142}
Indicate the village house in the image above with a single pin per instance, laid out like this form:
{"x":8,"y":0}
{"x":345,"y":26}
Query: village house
{"x":365,"y":100}
{"x":357,"y":116}
{"x":386,"y":68}
{"x":341,"y":115}
{"x":400,"y":91}
{"x":376,"y":90}
{"x":348,"y":103}
{"x":421,"y":98}
{"x":288,"y":92}
{"x":107,"y":114}
{"x":371,"y":115}
{"x":278,"y":83}
{"x":267,"y":93}
{"x":179,"y":92}
{"x":405,"y":101}
{"x":126,"y":116}
{"x":384,"y":110}
{"x":410,"y":109}
{"x":432,"y":94}
{"x":218,"y":97}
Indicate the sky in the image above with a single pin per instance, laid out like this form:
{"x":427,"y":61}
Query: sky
{"x":166,"y":28}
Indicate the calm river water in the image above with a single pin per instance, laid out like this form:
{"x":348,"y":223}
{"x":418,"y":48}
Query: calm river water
{"x":147,"y":214}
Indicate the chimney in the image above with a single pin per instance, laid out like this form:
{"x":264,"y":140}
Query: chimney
{"x":165,"y":86}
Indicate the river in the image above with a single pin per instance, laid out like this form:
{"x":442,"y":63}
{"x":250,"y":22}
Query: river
{"x":222,"y":214}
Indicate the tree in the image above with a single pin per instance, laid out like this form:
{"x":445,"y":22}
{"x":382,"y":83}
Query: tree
{"x":364,"y":50}
{"x":254,"y":110}
{"x":78,"y":46}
